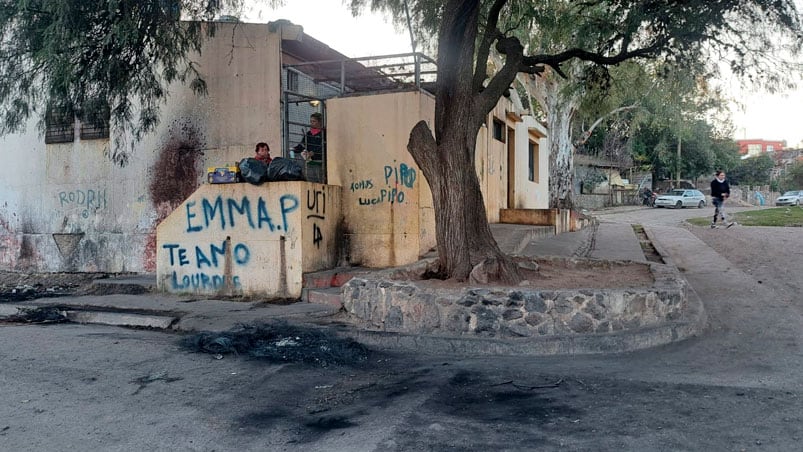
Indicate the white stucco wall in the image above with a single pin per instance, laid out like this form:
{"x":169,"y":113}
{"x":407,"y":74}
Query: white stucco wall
{"x":67,"y":207}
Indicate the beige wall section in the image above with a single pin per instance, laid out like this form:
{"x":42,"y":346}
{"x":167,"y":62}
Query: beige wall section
{"x":387,"y":205}
{"x":67,"y":207}
{"x":242,"y":69}
{"x":242,"y":239}
{"x":531,"y":194}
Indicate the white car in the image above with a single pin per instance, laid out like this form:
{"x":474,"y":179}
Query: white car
{"x":790,"y":198}
{"x":681,"y":198}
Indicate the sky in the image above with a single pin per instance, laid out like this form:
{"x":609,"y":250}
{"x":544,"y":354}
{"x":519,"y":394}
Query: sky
{"x":767,"y":116}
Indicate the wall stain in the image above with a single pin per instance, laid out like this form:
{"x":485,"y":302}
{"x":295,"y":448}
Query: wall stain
{"x":175,"y":175}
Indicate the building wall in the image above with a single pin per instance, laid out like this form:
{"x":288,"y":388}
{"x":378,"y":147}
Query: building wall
{"x":491,"y":161}
{"x":67,"y":207}
{"x":753,"y":147}
{"x":387,"y":205}
{"x":368,"y":157}
{"x":242,"y":239}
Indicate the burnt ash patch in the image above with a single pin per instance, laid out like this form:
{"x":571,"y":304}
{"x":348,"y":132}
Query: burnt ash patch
{"x":280,"y":342}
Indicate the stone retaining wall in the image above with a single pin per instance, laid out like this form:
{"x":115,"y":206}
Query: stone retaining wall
{"x":387,"y":302}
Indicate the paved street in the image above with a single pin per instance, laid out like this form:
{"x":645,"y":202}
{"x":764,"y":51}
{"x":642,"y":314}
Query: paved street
{"x":737,"y":387}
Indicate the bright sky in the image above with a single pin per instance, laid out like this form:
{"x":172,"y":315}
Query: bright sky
{"x":771,"y":117}
{"x":331,"y":22}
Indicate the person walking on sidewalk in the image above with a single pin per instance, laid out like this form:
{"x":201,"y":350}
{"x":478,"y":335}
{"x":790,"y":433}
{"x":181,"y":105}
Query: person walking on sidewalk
{"x":720,"y":191}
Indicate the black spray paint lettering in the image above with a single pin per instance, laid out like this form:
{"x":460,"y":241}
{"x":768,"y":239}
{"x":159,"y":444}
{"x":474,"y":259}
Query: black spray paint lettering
{"x":316,"y":206}
{"x":366,"y":184}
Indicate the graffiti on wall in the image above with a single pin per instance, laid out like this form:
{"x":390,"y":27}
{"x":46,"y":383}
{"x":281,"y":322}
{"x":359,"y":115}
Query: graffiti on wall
{"x":316,"y":211}
{"x":88,"y":201}
{"x":229,"y":213}
{"x":214,"y":265}
{"x":395,"y":178}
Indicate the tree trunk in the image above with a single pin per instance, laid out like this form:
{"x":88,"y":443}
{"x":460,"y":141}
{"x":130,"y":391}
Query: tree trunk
{"x":447,"y":158}
{"x":560,"y":111}
{"x":461,"y":228}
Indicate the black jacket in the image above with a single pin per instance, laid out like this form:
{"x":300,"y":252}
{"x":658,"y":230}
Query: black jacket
{"x":719,"y":189}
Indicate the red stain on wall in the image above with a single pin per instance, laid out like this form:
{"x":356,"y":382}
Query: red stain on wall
{"x":174,"y":176}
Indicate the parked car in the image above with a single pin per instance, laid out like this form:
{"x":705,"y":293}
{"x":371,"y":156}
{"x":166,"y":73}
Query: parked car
{"x":681,"y":198}
{"x":790,"y":198}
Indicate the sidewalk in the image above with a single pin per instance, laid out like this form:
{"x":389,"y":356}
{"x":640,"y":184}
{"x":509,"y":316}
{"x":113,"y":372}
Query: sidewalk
{"x":141,"y":306}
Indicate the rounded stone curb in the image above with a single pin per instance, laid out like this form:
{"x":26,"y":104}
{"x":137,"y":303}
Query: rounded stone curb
{"x":692,"y":323}
{"x":606,"y":343}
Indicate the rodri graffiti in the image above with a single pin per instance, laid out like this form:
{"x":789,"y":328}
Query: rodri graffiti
{"x":229,"y":212}
{"x":90,"y":200}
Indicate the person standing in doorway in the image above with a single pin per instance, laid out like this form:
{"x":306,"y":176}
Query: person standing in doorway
{"x":720,"y":191}
{"x":313,"y":149}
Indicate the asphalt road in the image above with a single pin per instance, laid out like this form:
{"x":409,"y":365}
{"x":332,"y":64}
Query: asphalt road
{"x":737,"y":387}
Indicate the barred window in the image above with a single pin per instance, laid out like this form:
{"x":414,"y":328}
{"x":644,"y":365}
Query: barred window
{"x":59,"y":124}
{"x":95,"y":122}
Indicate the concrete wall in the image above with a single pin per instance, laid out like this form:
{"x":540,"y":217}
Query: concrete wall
{"x":492,"y":161}
{"x":67,"y":207}
{"x":368,"y":157}
{"x":242,"y":239}
{"x":387,"y":204}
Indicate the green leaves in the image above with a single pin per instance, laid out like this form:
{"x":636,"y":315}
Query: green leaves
{"x":76,"y":53}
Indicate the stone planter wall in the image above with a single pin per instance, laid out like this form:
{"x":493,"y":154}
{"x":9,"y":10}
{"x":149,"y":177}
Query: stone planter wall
{"x":386,"y":302}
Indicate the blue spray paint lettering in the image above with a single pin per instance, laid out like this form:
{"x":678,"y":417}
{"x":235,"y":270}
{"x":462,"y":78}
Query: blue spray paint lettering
{"x":401,"y":174}
{"x":197,"y":281}
{"x":205,"y":217}
{"x":241,"y":254}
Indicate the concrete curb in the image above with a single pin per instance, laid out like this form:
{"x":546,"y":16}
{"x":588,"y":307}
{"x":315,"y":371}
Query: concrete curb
{"x":112,"y":318}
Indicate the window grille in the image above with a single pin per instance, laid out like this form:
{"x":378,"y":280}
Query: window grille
{"x":59,"y":124}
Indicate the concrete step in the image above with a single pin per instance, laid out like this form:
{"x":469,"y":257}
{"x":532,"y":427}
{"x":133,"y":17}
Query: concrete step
{"x":130,"y":284}
{"x":12,"y":311}
{"x":328,"y":296}
{"x":335,"y":277}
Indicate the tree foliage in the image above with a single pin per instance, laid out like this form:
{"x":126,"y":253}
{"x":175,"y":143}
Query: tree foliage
{"x":116,"y":57}
{"x":793,"y":178}
{"x":602,"y":33}
{"x":752,"y":171}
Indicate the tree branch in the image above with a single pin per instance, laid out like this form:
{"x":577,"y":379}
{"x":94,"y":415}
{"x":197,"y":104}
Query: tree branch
{"x":587,"y":134}
{"x":483,"y":51}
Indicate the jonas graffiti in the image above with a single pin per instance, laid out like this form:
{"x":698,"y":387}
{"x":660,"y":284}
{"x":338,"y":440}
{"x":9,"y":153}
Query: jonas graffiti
{"x":316,"y":210}
{"x":229,"y":212}
{"x":396,"y":177}
{"x":89,"y":200}
{"x":365,"y":184}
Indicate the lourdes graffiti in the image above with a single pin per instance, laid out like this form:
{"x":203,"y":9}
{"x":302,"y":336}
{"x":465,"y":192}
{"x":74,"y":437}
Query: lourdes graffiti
{"x":229,"y":212}
{"x":90,"y":200}
{"x":316,"y":210}
{"x":396,"y":178}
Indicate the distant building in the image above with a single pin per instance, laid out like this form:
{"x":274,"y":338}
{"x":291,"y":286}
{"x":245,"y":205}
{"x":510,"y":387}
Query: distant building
{"x":756,"y":147}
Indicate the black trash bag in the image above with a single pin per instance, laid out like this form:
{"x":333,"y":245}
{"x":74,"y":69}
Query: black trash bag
{"x":253,"y":171}
{"x":283,"y":169}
